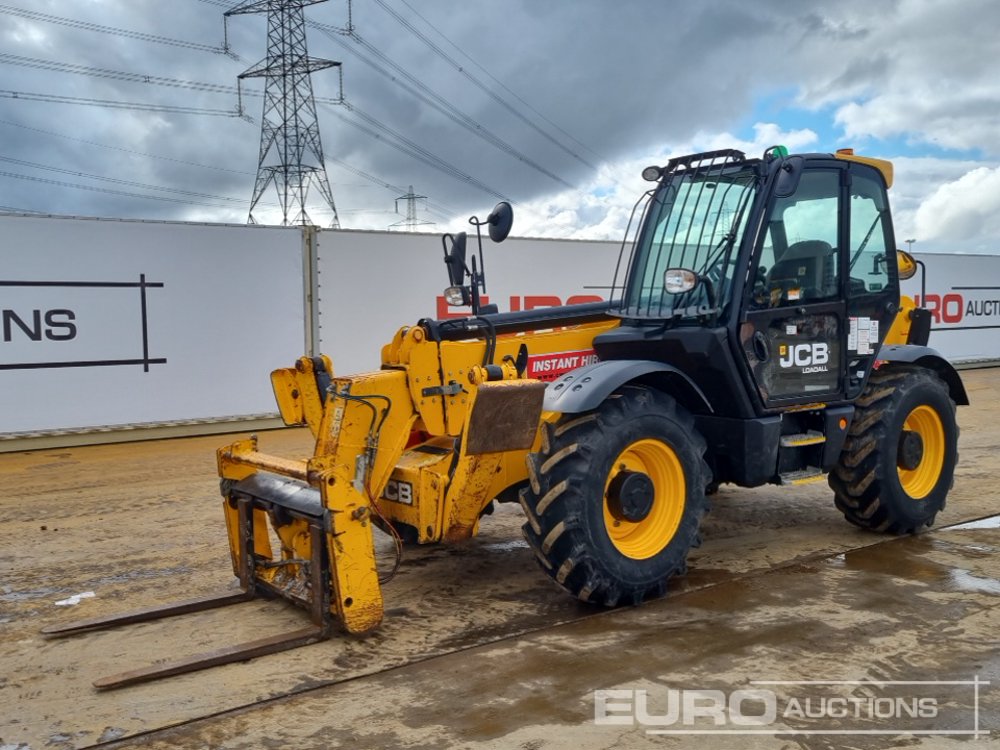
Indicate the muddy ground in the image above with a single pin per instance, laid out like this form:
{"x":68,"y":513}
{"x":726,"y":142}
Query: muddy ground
{"x":481,"y":650}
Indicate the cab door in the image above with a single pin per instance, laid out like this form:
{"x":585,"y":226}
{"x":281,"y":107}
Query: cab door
{"x":793,"y":330}
{"x":873,"y":278}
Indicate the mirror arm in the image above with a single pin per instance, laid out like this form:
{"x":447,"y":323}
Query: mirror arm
{"x":923,"y":281}
{"x":444,"y":245}
{"x":475,"y":288}
{"x":482,"y":265}
{"x":709,"y":289}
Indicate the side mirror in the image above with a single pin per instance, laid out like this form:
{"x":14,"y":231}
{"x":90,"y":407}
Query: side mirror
{"x":787,"y":181}
{"x":455,"y":258}
{"x":679,"y":280}
{"x":458,"y":293}
{"x":906,"y":265}
{"x":500,"y":221}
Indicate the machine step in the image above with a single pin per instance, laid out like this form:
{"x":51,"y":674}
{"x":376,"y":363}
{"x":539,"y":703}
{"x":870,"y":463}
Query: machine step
{"x":810,"y":437}
{"x":807,"y":475}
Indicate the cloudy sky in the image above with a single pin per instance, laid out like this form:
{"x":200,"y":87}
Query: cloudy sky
{"x":555,"y":105}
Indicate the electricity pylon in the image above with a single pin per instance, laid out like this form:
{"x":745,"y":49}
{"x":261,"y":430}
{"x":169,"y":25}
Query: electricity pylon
{"x":291,"y":154}
{"x":411,"y":221}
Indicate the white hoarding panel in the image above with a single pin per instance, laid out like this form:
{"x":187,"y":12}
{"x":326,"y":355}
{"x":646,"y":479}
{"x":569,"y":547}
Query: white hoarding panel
{"x":963,"y":296}
{"x":106,"y":323}
{"x":371,"y":283}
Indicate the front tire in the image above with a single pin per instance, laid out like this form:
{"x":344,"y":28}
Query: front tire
{"x":616,"y":497}
{"x":898,"y":462}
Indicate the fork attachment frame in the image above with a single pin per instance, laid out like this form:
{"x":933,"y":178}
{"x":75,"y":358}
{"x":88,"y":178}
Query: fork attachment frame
{"x":318,"y":569}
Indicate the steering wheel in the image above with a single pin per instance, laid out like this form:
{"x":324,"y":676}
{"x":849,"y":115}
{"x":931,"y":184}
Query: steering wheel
{"x":760,"y":295}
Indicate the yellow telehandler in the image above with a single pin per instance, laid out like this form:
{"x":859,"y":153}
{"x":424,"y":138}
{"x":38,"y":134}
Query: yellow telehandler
{"x":754,"y":333}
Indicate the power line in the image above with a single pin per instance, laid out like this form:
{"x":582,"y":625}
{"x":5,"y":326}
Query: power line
{"x":500,"y":83}
{"x":117,"y":181}
{"x":437,"y":208}
{"x":109,"y":191}
{"x":147,"y":154}
{"x":483,"y":87}
{"x":408,"y":147}
{"x":87,"y":70}
{"x":88,"y":26}
{"x":434,"y":100}
{"x":16,"y":210}
{"x":403,"y":144}
{"x":122,"y":148}
{"x":375,"y":127}
{"x":123,"y":75}
{"x":442,"y":211}
{"x":139,"y":106}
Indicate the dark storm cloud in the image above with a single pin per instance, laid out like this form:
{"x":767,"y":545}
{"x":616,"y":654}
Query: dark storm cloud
{"x":621,"y":78}
{"x":611,"y":77}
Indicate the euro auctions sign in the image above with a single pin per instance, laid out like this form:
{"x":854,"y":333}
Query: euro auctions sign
{"x":106,"y":324}
{"x":958,"y":307}
{"x":800,"y":708}
{"x":59,"y":324}
{"x":962,"y":293}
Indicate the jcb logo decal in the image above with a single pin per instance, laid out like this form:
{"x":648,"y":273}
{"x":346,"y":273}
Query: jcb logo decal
{"x":805,"y":355}
{"x":398,"y":491}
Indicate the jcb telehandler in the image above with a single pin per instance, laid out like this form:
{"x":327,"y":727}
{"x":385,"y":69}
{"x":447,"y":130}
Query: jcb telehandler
{"x":754,"y":333}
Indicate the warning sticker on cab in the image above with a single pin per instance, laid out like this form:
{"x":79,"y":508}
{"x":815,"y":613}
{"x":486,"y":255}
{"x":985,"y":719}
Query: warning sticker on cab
{"x":551,"y":366}
{"x":863,"y":335}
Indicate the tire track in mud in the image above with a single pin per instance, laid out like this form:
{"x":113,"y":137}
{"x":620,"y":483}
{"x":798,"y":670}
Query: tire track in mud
{"x":143,"y":525}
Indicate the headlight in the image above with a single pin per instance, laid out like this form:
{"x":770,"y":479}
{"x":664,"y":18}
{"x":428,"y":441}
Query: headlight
{"x":455,"y":296}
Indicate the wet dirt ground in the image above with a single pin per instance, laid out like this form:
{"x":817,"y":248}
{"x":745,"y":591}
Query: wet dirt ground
{"x":479,"y":649}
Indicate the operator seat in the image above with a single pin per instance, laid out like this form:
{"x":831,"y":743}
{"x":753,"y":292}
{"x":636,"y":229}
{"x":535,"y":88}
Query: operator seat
{"x":810,"y":267}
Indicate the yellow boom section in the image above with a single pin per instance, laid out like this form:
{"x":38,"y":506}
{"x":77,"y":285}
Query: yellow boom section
{"x":420,"y":448}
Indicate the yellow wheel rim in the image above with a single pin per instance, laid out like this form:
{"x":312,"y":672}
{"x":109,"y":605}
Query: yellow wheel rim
{"x":919,"y":481}
{"x":643,"y":539}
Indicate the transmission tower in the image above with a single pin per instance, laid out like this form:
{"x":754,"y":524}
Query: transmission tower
{"x":291,"y":154}
{"x":411,"y":221}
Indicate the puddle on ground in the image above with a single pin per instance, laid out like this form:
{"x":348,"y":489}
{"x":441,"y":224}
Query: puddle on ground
{"x":899,"y":558}
{"x":141,"y":574}
{"x":963,"y":580}
{"x":26,"y":596}
{"x":699,"y":578}
{"x":513,"y":544}
{"x":905,"y":559}
{"x":990,"y":522}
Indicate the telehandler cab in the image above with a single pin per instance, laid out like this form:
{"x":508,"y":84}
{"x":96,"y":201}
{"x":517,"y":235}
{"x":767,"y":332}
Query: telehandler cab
{"x":754,"y":333}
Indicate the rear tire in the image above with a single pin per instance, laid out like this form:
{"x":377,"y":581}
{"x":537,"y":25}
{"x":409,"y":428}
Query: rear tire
{"x":898,"y":461}
{"x":604,"y":539}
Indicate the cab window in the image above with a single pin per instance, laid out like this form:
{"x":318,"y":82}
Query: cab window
{"x":869,"y":273}
{"x":799,"y":262}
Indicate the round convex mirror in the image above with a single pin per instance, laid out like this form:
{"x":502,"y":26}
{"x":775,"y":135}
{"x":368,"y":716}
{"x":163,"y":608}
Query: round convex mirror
{"x":500,"y":221}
